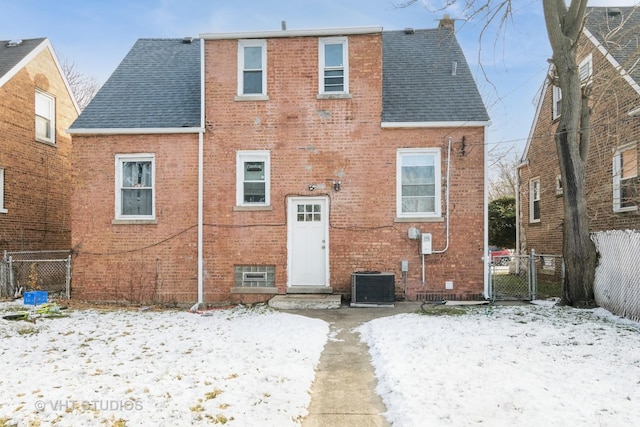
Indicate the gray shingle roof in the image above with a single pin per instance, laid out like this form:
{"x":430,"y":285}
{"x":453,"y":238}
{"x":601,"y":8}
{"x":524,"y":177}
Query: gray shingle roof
{"x":157,"y":85}
{"x":418,"y":84}
{"x":619,"y":34}
{"x":10,"y":56}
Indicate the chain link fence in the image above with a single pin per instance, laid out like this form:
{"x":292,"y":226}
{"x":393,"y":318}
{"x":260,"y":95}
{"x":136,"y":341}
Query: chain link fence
{"x":525,"y":277}
{"x":617,"y":281}
{"x":35,"y":270}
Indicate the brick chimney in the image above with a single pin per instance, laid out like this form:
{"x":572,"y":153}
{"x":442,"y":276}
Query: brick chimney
{"x":447,"y":23}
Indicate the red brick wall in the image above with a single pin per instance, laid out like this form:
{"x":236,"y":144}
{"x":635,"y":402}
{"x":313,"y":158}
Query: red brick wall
{"x":135,"y":262}
{"x":612,"y":98}
{"x":312,"y":140}
{"x":37,"y":175}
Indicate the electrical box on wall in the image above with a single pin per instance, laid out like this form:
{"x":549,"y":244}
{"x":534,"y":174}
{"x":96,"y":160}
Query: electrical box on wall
{"x":426,"y":243}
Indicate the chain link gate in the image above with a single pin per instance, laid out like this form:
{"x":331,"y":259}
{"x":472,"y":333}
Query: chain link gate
{"x":35,"y":270}
{"x":518,"y":277}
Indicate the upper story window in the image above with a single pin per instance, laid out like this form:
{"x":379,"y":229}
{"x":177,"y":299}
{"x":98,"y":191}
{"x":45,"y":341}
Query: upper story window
{"x":585,"y":69}
{"x":534,"y":200}
{"x":557,"y":102}
{"x":333,"y":54}
{"x":45,"y":117}
{"x":625,"y":178}
{"x":252,"y":68}
{"x":253,"y":178}
{"x":135,"y":186}
{"x":2,"y":208}
{"x":418,"y":183}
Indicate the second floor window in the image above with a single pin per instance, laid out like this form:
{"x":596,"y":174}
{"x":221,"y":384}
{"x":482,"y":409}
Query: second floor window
{"x":45,"y":118}
{"x":534,"y":200}
{"x":557,"y":102}
{"x":334,"y":65}
{"x":625,"y":179}
{"x":252,"y":73}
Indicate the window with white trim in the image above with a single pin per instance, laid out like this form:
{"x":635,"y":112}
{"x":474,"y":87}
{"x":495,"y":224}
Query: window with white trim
{"x":135,"y":186}
{"x":252,"y":71}
{"x":585,"y":69}
{"x":333,"y":54}
{"x":253,"y":178}
{"x":2,"y":208}
{"x":45,"y":108}
{"x":625,"y":178}
{"x":559,"y":189}
{"x":534,"y":200}
{"x":557,"y":102}
{"x":418,"y":182}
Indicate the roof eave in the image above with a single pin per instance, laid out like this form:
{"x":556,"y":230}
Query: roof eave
{"x":452,"y":124}
{"x":322,"y":32}
{"x":134,"y":131}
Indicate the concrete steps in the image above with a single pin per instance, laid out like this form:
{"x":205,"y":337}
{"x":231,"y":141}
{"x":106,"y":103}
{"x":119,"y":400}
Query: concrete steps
{"x":306,"y":301}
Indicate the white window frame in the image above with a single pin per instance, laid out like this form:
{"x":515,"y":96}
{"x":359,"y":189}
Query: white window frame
{"x":322,"y":42}
{"x":534,"y":196}
{"x":242,"y":44}
{"x":407,"y":152}
{"x":556,"y":99}
{"x":2,"y":208}
{"x":120,"y":160}
{"x":45,"y":108}
{"x":586,"y":64}
{"x":559,"y":186}
{"x":244,"y":156}
{"x":617,"y":169}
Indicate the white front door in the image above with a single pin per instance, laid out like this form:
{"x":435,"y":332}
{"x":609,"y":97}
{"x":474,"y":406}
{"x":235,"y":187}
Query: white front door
{"x":308,"y":241}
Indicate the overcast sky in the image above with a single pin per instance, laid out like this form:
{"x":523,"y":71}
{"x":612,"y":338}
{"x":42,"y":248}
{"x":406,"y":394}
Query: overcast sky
{"x":96,"y":35}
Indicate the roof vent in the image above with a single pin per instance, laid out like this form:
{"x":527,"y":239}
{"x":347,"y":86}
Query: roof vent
{"x":454,"y":68}
{"x":409,"y":30}
{"x":187,"y":40}
{"x":614,"y":11}
{"x":14,"y":43}
{"x":283,"y":25}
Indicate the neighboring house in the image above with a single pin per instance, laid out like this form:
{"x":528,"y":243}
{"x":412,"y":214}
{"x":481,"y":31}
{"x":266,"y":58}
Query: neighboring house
{"x":238,"y":166}
{"x":36,"y":108}
{"x":608,"y":58}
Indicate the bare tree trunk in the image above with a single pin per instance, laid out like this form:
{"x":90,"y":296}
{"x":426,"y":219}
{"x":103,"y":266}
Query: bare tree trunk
{"x":564,"y":26}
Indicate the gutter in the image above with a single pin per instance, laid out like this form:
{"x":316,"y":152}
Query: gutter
{"x":133,"y":131}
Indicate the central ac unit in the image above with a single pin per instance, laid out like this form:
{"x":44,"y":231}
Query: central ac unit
{"x":372,"y":288}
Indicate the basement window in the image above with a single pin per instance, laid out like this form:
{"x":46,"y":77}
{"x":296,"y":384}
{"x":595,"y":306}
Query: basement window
{"x":255,"y":276}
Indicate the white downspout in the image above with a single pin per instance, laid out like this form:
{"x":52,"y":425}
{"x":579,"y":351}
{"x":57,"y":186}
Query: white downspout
{"x":201,"y":175}
{"x":485,"y":256}
{"x":446,"y":196}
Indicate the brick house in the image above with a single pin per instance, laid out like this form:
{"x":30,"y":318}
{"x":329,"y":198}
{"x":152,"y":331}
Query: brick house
{"x":608,"y":55}
{"x":36,"y":108}
{"x":235,"y":167}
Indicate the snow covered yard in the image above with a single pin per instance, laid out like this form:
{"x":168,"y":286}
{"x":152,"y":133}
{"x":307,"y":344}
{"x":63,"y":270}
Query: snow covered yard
{"x":244,"y":367}
{"x":535,"y":365}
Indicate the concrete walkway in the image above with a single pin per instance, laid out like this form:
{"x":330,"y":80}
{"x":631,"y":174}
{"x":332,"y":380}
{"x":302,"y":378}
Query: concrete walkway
{"x":343,"y":393}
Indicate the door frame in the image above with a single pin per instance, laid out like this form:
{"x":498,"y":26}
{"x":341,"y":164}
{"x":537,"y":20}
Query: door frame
{"x":291,"y":218}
